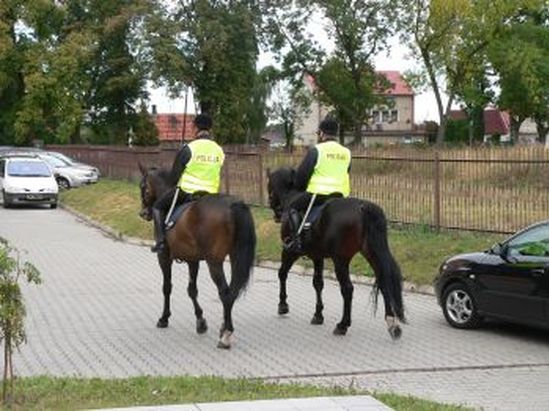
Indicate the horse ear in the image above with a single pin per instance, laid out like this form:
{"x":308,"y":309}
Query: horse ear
{"x":142,"y":168}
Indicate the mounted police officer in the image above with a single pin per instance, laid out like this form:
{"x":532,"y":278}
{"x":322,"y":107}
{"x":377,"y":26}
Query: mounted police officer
{"x":196,"y":171}
{"x":323,"y":174}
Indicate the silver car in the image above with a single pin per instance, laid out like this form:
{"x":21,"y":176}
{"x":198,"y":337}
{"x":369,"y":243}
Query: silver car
{"x":74,"y":162}
{"x":69,"y":175}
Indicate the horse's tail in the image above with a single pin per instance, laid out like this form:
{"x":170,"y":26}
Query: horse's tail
{"x":243,"y":251}
{"x":388,"y":275}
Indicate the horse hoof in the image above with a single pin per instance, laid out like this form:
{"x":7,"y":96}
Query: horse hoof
{"x":201,"y":326}
{"x":162,"y":323}
{"x":225,"y":340}
{"x":340,"y":330}
{"x":395,"y":332}
{"x":283,"y":308}
{"x":317,"y":320}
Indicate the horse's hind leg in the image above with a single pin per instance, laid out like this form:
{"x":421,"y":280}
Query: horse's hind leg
{"x":166,"y":265}
{"x":227,"y":298}
{"x":346,"y":287}
{"x":288,"y":259}
{"x":192,"y":290}
{"x":318,"y":284}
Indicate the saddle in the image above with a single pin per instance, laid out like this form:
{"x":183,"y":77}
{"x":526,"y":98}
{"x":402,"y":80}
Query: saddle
{"x":314,"y":214}
{"x":178,"y":212}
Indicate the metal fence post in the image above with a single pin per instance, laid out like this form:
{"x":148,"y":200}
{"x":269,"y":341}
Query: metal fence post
{"x":226,"y":172}
{"x":436,"y":199}
{"x":260,"y":170}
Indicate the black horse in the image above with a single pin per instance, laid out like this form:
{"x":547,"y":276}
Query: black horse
{"x":211,"y":228}
{"x":345,"y":227}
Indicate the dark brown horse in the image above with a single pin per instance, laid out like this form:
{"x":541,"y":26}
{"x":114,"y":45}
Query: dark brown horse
{"x":346,"y":226}
{"x":210,"y":229}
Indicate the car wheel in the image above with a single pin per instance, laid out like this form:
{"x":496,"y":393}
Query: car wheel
{"x":5,"y":201}
{"x":459,"y":307}
{"x":53,"y":205}
{"x":63,"y":183}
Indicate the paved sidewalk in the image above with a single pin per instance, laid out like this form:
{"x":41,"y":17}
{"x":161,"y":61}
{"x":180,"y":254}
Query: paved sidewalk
{"x":95,"y":316}
{"x":353,"y":403}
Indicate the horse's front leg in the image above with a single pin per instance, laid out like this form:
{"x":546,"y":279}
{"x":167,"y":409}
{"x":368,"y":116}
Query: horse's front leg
{"x":346,"y":287}
{"x":227,"y":298}
{"x":318,"y":284}
{"x":288,"y":259}
{"x":165,"y":262}
{"x":192,"y":291}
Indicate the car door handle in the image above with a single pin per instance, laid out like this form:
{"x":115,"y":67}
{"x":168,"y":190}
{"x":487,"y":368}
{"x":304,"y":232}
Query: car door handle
{"x":538,"y":272}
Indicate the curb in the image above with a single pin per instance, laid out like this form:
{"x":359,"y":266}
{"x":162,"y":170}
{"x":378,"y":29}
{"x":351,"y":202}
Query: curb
{"x":272,"y":265}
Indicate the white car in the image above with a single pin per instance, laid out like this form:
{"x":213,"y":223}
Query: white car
{"x":27,"y":180}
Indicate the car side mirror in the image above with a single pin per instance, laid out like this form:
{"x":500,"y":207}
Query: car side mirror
{"x":498,"y":249}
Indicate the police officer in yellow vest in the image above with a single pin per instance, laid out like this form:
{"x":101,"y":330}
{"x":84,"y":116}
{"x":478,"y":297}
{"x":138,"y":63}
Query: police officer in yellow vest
{"x":324,"y":172}
{"x":196,"y":171}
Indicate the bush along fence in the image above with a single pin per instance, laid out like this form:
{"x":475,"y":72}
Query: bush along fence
{"x":484,"y":189}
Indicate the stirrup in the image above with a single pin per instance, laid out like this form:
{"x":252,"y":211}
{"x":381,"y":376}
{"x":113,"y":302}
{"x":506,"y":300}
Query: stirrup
{"x":292,"y":244}
{"x":158,"y":247}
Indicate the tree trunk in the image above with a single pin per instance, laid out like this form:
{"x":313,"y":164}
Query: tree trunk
{"x":543,"y":129}
{"x":289,"y":135}
{"x":357,"y":132}
{"x":477,"y":123}
{"x":441,"y":132}
{"x":341,"y":135}
{"x":516,"y":122}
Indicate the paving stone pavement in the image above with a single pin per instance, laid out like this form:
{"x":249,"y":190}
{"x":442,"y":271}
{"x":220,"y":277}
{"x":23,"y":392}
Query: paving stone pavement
{"x":95,"y":315}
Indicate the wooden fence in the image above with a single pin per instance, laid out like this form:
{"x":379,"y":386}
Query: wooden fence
{"x":485,"y":189}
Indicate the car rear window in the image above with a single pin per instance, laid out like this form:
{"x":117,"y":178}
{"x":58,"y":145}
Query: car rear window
{"x":23,"y":168}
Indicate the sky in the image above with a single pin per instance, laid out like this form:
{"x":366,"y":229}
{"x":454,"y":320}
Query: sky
{"x":398,"y":59}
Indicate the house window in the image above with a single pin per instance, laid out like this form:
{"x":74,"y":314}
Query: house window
{"x":390,"y":116}
{"x":376,"y":117}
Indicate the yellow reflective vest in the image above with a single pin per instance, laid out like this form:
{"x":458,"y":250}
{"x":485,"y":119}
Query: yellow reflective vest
{"x":331,"y":172}
{"x":203,"y":171}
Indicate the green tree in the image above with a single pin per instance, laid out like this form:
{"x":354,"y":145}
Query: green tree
{"x":451,"y":37}
{"x":117,"y":77}
{"x":216,"y":55}
{"x":520,"y":58}
{"x":12,"y":308}
{"x":345,"y":79}
{"x":289,"y":103}
{"x":144,"y":130}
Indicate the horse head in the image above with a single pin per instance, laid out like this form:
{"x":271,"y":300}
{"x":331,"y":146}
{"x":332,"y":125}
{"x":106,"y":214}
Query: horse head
{"x":280,"y":185}
{"x":148,"y":193}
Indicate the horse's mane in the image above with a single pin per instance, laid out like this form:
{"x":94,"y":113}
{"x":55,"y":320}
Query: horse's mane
{"x":285,"y":175}
{"x":162,"y":174}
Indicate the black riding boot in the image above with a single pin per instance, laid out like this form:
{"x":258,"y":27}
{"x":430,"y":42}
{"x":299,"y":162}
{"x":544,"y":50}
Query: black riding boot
{"x":293,"y":243}
{"x":159,"y":231}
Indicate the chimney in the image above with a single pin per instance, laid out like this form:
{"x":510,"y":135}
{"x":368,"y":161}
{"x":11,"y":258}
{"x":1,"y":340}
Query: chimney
{"x":153,"y":108}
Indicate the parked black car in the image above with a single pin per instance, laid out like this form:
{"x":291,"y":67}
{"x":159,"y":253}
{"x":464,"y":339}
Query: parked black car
{"x":510,"y":281}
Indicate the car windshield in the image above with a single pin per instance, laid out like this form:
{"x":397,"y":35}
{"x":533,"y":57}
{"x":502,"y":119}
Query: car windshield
{"x":64,"y":158}
{"x":26,"y":168}
{"x":56,"y":162}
